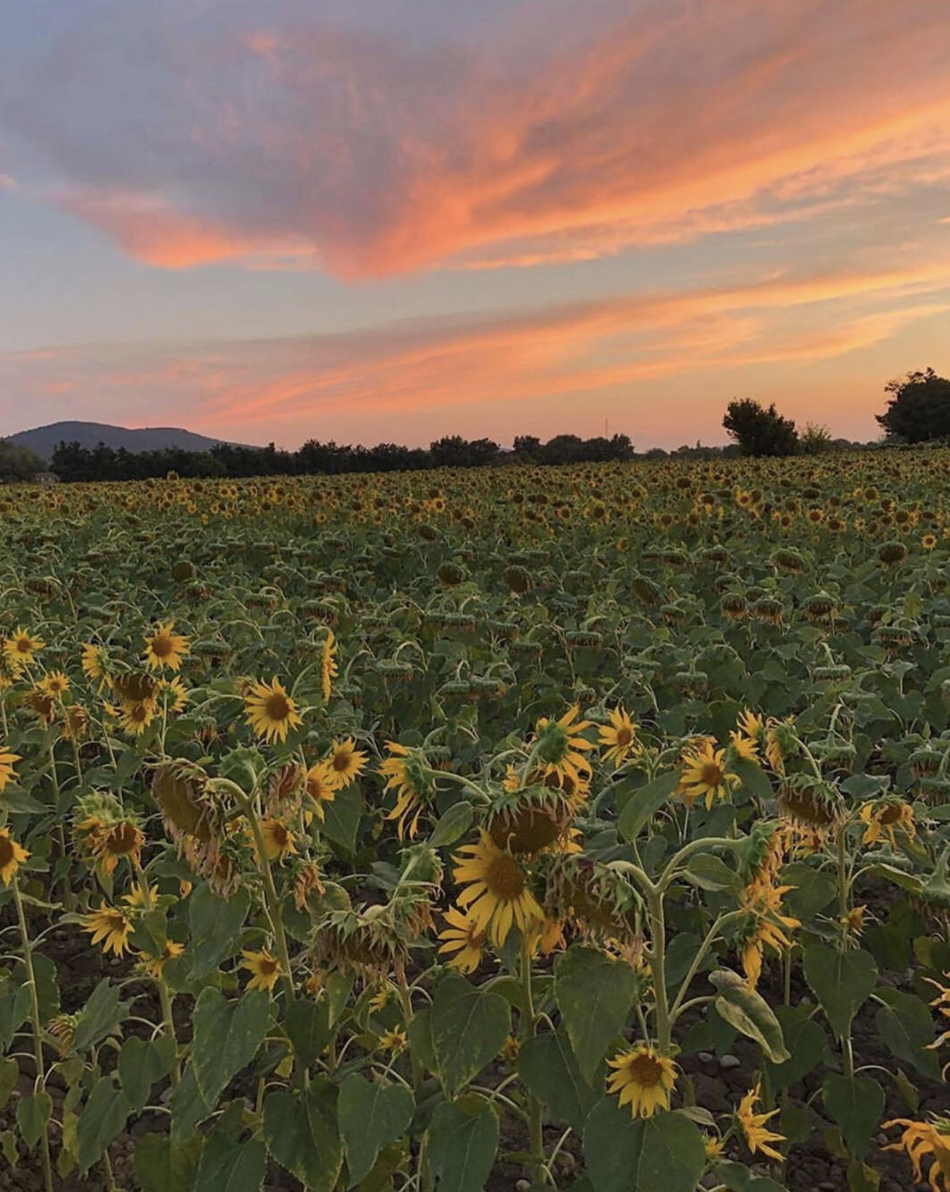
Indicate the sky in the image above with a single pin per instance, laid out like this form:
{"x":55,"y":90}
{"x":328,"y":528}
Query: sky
{"x":390,"y":220}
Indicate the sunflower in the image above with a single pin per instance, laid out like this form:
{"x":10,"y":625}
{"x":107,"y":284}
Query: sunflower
{"x":63,"y":1030}
{"x":496,"y":894}
{"x":75,"y":723}
{"x":320,"y":787}
{"x":21,"y":648}
{"x":926,"y":1138}
{"x":7,"y":762}
{"x":393,"y":1041}
{"x":164,"y":647}
{"x":107,"y":843}
{"x":328,"y":665}
{"x":884,"y":817}
{"x":404,"y":772}
{"x":176,"y":695}
{"x":764,"y":926}
{"x":154,"y":966}
{"x":95,"y":665}
{"x":644,"y":1079}
{"x":462,"y":937}
{"x":54,"y":683}
{"x":134,"y":718}
{"x":757,"y":1135}
{"x":278,"y":840}
{"x":558,"y":747}
{"x":619,"y":737}
{"x":345,"y":763}
{"x":264,"y":967}
{"x":12,"y":856}
{"x":270,"y":711}
{"x":109,"y":927}
{"x":704,"y":775}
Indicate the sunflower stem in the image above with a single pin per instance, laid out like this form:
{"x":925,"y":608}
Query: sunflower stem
{"x":535,"y":1119}
{"x":40,"y":1084}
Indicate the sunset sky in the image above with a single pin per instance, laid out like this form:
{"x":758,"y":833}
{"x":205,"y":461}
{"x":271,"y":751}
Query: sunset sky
{"x":396,"y":219}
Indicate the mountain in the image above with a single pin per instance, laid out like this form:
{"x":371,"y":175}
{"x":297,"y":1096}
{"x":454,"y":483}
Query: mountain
{"x":45,"y":439}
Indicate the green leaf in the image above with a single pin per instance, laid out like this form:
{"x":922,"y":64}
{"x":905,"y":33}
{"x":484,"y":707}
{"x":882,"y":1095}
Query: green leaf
{"x":342,"y":817}
{"x":141,"y":1063}
{"x":463,"y":1139}
{"x":711,"y":873}
{"x":187,"y":1105}
{"x":99,"y":1017}
{"x":9,"y":1075}
{"x":738,"y":1178}
{"x":453,"y":825}
{"x":420,"y":1040}
{"x":594,"y":995}
{"x":32,"y":1113}
{"x":229,"y":1166}
{"x":644,"y":803}
{"x":749,"y":1013}
{"x":215,"y":927}
{"x":372,"y":1115}
{"x":469,"y":1027}
{"x":227,"y":1036}
{"x":663,"y":1153}
{"x":308,"y":1027}
{"x":301,"y":1133}
{"x":806,"y":1042}
{"x":842,"y":982}
{"x":856,"y":1104}
{"x":906,"y":1028}
{"x":161,"y":1166}
{"x":102,"y":1120}
{"x":754,"y":778}
{"x":549,"y":1070}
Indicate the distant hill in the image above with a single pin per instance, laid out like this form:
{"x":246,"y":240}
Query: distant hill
{"x":45,"y":439}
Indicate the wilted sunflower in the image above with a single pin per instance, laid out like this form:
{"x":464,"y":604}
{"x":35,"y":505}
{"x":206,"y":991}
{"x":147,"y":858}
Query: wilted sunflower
{"x":764,"y":925}
{"x":643,"y":1078}
{"x":75,"y":723}
{"x":8,"y":761}
{"x":345,"y":763}
{"x":920,"y":1139}
{"x":884,"y":817}
{"x":496,"y":894}
{"x":164,"y":647}
{"x":405,"y":774}
{"x":328,"y":665}
{"x":265,"y":969}
{"x":110,"y":927}
{"x":558,"y":747}
{"x":105,"y":832}
{"x":758,"y":1137}
{"x":705,"y":776}
{"x":12,"y":856}
{"x":320,"y":787}
{"x":462,"y":937}
{"x":154,"y":966}
{"x":619,"y":737}
{"x":21,"y":648}
{"x":95,"y":665}
{"x":176,"y":695}
{"x":278,"y":840}
{"x":270,"y":711}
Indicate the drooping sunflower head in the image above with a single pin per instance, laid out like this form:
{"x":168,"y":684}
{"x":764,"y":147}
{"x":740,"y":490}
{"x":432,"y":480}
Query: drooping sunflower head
{"x":12,"y":856}
{"x":329,"y":668}
{"x":407,"y":772}
{"x":558,"y":746}
{"x":599,"y":903}
{"x":369,"y":942}
{"x":137,"y":687}
{"x":8,"y":762}
{"x":886,"y":817}
{"x":75,"y":723}
{"x":105,"y":832}
{"x":809,"y":803}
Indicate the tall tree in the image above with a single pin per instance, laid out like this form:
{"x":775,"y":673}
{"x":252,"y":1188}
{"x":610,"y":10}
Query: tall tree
{"x":919,"y":409}
{"x":760,"y":431}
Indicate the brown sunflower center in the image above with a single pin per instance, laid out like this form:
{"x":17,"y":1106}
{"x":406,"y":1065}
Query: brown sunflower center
{"x":891,"y":814}
{"x":711,"y":774}
{"x":277,"y":706}
{"x":138,"y":713}
{"x":341,"y":760}
{"x":123,"y":839}
{"x":162,"y":645}
{"x":504,"y":879}
{"x":24,"y":645}
{"x":645,"y":1071}
{"x":624,"y":736}
{"x":6,"y":851}
{"x":266,"y":966}
{"x":280,"y":835}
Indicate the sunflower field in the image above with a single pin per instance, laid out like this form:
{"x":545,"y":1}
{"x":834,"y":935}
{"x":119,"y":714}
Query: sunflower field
{"x":582,"y":828}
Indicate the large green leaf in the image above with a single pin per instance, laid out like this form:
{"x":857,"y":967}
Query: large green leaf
{"x":906,"y":1027}
{"x":164,"y":1166}
{"x":842,"y":982}
{"x":301,"y":1133}
{"x":187,"y":1105}
{"x":227,"y":1036}
{"x":663,"y":1153}
{"x":463,"y":1138}
{"x":99,"y":1017}
{"x":342,"y":817}
{"x":215,"y":927}
{"x":372,"y":1115}
{"x":644,"y":803}
{"x":549,"y":1070}
{"x":141,"y":1063}
{"x":856,"y":1104}
{"x":469,"y":1026}
{"x":229,"y":1166}
{"x":32,"y":1113}
{"x":102,"y":1120}
{"x":806,"y":1042}
{"x":308,"y":1027}
{"x":453,"y":824}
{"x":750,"y":1014}
{"x":594,"y":995}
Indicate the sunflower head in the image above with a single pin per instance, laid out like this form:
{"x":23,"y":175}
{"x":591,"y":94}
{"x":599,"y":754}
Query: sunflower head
{"x":642,"y":1078}
{"x":105,"y":832}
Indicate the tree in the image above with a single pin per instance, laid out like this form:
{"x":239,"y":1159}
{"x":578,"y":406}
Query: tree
{"x":919,"y":409}
{"x":815,"y":440}
{"x":760,"y":431}
{"x":18,"y":463}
